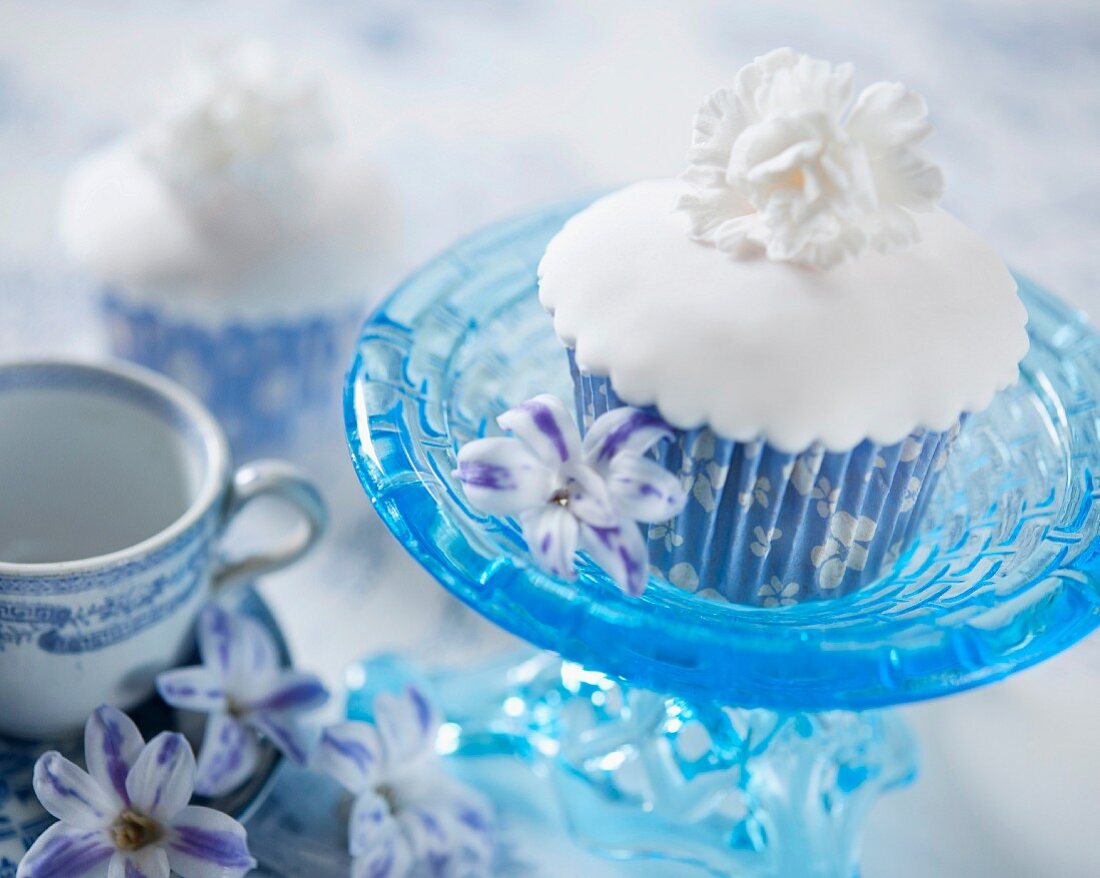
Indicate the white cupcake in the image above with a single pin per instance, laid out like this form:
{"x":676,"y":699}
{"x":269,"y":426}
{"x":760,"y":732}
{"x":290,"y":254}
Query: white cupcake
{"x":237,"y":236}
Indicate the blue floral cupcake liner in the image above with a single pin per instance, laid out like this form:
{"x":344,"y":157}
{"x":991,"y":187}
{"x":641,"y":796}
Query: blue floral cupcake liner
{"x":263,"y":378}
{"x":769,"y":528}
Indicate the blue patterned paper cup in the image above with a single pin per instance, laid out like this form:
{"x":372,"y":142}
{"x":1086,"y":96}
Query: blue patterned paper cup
{"x":769,"y":528}
{"x":263,"y":377}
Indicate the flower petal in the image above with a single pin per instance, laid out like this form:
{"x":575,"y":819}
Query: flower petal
{"x":228,"y":757}
{"x":215,"y":634}
{"x":237,"y":648}
{"x":369,"y":824}
{"x":148,"y":862}
{"x":196,"y":688}
{"x":589,"y":498}
{"x":291,"y":692}
{"x":66,"y":850}
{"x":351,"y":752}
{"x":623,"y":429}
{"x":502,"y":476}
{"x":71,"y":794}
{"x":551,"y":535}
{"x":718,"y":122}
{"x":112,"y":744}
{"x":390,"y":858}
{"x":204,"y":843}
{"x":887,"y":115}
{"x":621,"y":552}
{"x":163,"y":778}
{"x":253,"y":659}
{"x":545,"y":425}
{"x":643,"y":490}
{"x":407,"y":725}
{"x":282,"y":730}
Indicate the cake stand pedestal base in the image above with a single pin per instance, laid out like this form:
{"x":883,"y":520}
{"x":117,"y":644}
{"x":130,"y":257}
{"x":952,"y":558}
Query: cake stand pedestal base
{"x":736,"y":791}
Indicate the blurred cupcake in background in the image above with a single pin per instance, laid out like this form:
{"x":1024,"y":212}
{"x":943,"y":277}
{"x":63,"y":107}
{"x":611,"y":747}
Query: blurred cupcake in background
{"x":800,"y":309}
{"x":237,"y":236}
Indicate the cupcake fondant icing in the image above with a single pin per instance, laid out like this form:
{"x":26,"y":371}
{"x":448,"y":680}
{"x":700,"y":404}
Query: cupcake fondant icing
{"x":806,"y":317}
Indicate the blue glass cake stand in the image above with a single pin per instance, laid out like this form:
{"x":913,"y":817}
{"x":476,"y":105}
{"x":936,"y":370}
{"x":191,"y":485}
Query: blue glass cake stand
{"x":744,"y":740}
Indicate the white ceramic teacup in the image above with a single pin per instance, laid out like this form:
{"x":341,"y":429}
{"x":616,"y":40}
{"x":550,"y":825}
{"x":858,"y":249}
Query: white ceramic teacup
{"x":115,"y":489}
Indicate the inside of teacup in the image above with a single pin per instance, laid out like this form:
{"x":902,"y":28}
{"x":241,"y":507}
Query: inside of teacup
{"x":91,"y":462}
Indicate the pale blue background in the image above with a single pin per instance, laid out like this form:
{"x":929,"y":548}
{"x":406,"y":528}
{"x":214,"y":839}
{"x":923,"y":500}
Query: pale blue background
{"x":478,"y":109}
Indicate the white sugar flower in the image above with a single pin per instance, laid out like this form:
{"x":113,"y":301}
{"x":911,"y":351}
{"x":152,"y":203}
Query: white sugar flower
{"x":779,"y":165}
{"x":410,"y":817}
{"x":128,"y":815}
{"x":568,"y":494}
{"x":234,"y":106}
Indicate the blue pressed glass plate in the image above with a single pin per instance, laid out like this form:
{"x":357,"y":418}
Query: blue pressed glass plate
{"x":1005,"y":572}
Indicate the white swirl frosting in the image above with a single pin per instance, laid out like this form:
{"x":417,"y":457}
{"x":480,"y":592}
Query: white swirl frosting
{"x":780,"y":166}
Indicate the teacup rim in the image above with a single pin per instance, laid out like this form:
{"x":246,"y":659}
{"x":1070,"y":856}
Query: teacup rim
{"x":214,"y":482}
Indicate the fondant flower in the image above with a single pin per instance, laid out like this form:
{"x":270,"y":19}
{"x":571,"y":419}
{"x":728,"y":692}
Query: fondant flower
{"x":844,"y":549}
{"x":568,"y":494}
{"x":409,"y":814}
{"x":243,"y":689}
{"x":128,"y":815}
{"x":779,"y":165}
{"x":237,"y":108}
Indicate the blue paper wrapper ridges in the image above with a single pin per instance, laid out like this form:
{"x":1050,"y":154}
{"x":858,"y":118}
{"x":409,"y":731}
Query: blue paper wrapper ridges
{"x":262,"y":379}
{"x":769,"y":528}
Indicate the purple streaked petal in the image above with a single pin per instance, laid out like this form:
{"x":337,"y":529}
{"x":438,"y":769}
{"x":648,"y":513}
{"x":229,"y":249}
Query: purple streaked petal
{"x":622,"y":553}
{"x":112,"y":744}
{"x":623,"y":429}
{"x":253,"y":657}
{"x":589,"y":498}
{"x":551,"y":535}
{"x":369,"y":824}
{"x":407,"y":725}
{"x":215,"y":633}
{"x":148,"y":862}
{"x":237,"y":648}
{"x":71,"y":794}
{"x":643,"y":490}
{"x":502,"y":476}
{"x":545,"y":425}
{"x":351,"y":752}
{"x":197,"y":688}
{"x":390,"y":858}
{"x":228,"y":757}
{"x":163,"y":778}
{"x":427,"y":827}
{"x":204,"y":843}
{"x":291,"y":692}
{"x":65,"y":850}
{"x":282,"y":730}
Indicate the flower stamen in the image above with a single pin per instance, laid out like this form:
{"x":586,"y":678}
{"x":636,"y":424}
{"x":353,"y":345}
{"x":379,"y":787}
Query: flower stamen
{"x":561,"y":497}
{"x":388,"y":795}
{"x":133,"y":831}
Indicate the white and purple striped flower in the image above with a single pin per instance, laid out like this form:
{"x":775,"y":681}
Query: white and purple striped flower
{"x":409,"y":816}
{"x":244,"y":691}
{"x":567,"y":493}
{"x":128,"y":815}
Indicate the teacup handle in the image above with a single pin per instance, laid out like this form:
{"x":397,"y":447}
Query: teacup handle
{"x":282,"y":481}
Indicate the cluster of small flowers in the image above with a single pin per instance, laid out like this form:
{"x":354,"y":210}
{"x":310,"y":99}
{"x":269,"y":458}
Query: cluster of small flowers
{"x":129,"y":813}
